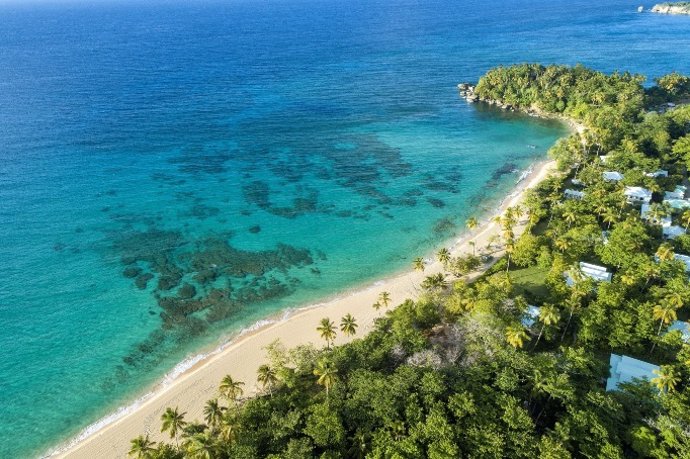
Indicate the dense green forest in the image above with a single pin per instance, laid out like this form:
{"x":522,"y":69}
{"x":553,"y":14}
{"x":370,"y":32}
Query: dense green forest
{"x":459,"y":372}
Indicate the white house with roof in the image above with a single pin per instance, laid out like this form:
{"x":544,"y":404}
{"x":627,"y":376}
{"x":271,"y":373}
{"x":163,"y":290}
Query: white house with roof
{"x":677,"y":193}
{"x":624,"y":369}
{"x":684,"y":258}
{"x":672,"y":232}
{"x":638,"y":195}
{"x":573,"y":194}
{"x":683,"y":328}
{"x":613,"y":176}
{"x":678,"y":204}
{"x":664,"y":221}
{"x":657,"y":174}
{"x":531,"y":316}
{"x":598,"y":273}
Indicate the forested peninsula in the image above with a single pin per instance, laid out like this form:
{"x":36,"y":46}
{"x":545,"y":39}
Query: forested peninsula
{"x":574,"y":344}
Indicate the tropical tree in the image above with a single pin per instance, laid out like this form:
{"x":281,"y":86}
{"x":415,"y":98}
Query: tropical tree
{"x":570,"y":217}
{"x":418,"y":264}
{"x":327,"y":375}
{"x":326,"y":329}
{"x":667,"y":379}
{"x":665,"y":252}
{"x":443,"y":256}
{"x":665,"y":313}
{"x":213,"y":412}
{"x":385,"y":299}
{"x":201,"y":445}
{"x":471,"y":223}
{"x":685,"y":219}
{"x":473,"y":244}
{"x":434,"y":282}
{"x":141,"y":447}
{"x":377,"y":305}
{"x":516,"y":336}
{"x":231,"y":389}
{"x":348,"y":325}
{"x":548,"y":315}
{"x":267,"y":376}
{"x":173,"y":422}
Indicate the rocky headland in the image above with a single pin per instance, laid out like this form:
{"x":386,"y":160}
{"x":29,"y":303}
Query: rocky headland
{"x":672,"y":8}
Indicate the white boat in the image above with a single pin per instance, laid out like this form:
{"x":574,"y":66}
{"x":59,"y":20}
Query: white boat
{"x":640,"y":9}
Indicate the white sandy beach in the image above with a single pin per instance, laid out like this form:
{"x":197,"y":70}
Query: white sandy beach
{"x":241,"y":359}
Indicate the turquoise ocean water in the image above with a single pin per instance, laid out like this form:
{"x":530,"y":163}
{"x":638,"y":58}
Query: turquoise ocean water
{"x":171,"y":172}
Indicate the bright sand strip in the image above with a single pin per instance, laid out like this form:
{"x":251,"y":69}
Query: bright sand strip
{"x":190,"y":391}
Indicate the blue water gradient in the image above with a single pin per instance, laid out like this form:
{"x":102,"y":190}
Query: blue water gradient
{"x":324,"y":138}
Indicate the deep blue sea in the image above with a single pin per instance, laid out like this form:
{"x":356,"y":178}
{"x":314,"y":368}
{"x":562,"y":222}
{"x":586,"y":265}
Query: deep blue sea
{"x":171,"y":172}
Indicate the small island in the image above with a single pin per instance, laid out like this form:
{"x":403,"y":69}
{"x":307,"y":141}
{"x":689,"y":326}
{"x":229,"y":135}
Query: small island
{"x":672,"y":8}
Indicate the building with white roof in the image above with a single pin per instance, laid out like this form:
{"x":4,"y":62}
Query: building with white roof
{"x":573,"y":194}
{"x":612,"y":176}
{"x":672,"y":232}
{"x":677,"y":193}
{"x":664,"y":221}
{"x":678,"y":204}
{"x":531,"y":316}
{"x":598,"y":273}
{"x":683,"y":328}
{"x":624,"y":369}
{"x":684,"y":258}
{"x":638,"y":195}
{"x":657,"y":174}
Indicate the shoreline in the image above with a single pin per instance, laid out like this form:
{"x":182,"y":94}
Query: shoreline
{"x":194,"y":380}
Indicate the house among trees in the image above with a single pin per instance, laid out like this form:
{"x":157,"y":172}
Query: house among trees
{"x":683,"y":328}
{"x":613,"y":176}
{"x":624,"y":369}
{"x":684,"y":258}
{"x":573,"y":194}
{"x":598,"y":273}
{"x":672,"y":232}
{"x":652,"y":217}
{"x":677,"y":193}
{"x":657,"y":174}
{"x":531,"y":316}
{"x":638,"y":195}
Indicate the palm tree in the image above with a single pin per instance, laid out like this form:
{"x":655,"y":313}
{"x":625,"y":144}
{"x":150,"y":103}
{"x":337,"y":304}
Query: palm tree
{"x":141,"y":447}
{"x":443,"y":256}
{"x":385,"y":299}
{"x":231,"y":389}
{"x":685,"y":219}
{"x":228,"y":425}
{"x":562,"y":244}
{"x":665,"y":313}
{"x":570,"y":217}
{"x":510,"y":248}
{"x":492,"y":239}
{"x":326,"y":329}
{"x":173,"y":422}
{"x":267,"y":376}
{"x":609,"y":218}
{"x":348,"y":325}
{"x":667,"y":379}
{"x":434,"y":282}
{"x":548,"y":315}
{"x":516,"y":336}
{"x":665,"y":252}
{"x":377,"y":306}
{"x":213,"y":413}
{"x":418,"y":264}
{"x":201,"y":446}
{"x":327,"y":375}
{"x":471,"y":223}
{"x":474,"y":247}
